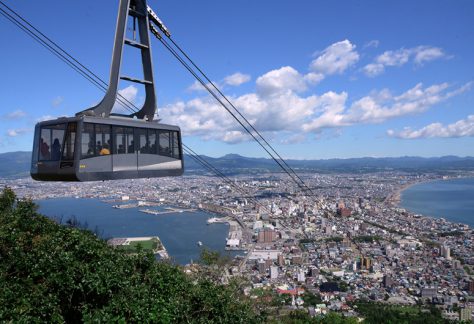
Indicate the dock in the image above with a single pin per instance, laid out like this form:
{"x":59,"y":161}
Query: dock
{"x":139,"y":203}
{"x":168,"y":210}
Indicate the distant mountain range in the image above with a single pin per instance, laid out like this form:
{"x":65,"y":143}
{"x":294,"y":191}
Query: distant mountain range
{"x":17,"y":164}
{"x":234,"y":163}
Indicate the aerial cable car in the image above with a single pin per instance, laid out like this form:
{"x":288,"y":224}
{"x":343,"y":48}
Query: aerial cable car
{"x":97,"y":144}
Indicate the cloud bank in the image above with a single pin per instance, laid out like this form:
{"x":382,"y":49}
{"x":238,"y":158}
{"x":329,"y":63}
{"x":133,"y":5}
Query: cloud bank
{"x":418,"y":55}
{"x":461,"y":128}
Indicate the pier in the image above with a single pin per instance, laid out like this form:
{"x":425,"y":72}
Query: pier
{"x":139,"y":203}
{"x":168,"y":210}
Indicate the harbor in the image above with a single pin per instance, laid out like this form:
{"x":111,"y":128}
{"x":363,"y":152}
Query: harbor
{"x":168,"y":210}
{"x":234,"y":238}
{"x":137,"y":204}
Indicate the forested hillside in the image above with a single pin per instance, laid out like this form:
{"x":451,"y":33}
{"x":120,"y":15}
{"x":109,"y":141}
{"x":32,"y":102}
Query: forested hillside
{"x":54,"y":273}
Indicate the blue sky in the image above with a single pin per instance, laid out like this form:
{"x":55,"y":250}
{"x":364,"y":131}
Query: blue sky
{"x":332,"y":79}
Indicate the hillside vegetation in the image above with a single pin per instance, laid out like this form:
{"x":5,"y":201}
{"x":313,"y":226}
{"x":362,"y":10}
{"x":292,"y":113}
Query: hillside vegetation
{"x":53,"y":273}
{"x":60,"y":273}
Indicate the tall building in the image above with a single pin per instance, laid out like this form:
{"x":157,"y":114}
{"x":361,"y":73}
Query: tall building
{"x":344,"y":212}
{"x":457,"y":264}
{"x":365,"y":263}
{"x":273,"y":272}
{"x":465,"y":314}
{"x":301,"y":276}
{"x":266,"y":235}
{"x":471,"y":286}
{"x":261,"y":266}
{"x":445,"y":252}
{"x":281,"y":260}
{"x":268,"y":263}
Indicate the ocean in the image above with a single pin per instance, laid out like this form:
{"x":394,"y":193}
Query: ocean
{"x":179,"y":232}
{"x":451,"y":199}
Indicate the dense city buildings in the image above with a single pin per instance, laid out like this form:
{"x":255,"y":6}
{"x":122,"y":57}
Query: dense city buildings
{"x":347,"y":241}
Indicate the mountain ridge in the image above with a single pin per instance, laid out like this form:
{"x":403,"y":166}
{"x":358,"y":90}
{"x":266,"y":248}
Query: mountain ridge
{"x":17,"y":164}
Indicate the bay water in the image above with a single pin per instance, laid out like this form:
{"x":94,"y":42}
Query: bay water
{"x":451,"y":199}
{"x":179,"y":232}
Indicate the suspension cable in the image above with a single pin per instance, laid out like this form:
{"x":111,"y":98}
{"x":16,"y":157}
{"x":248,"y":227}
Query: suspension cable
{"x":236,"y":110}
{"x":93,"y":78}
{"x":59,"y":52}
{"x":177,"y":56}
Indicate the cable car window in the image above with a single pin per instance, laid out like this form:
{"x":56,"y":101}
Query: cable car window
{"x":123,"y":140}
{"x":50,"y":142}
{"x":175,"y":141}
{"x":102,"y":139}
{"x":68,"y":147}
{"x":164,"y":143}
{"x":142,"y":140}
{"x":130,"y":140}
{"x":87,"y":141}
{"x":152,"y":141}
{"x":45,"y":145}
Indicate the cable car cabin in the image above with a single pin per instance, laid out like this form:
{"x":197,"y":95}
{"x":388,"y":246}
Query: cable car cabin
{"x":92,"y":148}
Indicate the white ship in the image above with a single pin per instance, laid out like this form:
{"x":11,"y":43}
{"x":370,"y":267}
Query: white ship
{"x":212,"y":220}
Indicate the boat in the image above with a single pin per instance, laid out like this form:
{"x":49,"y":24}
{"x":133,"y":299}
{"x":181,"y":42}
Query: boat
{"x":212,"y":220}
{"x":199,"y":243}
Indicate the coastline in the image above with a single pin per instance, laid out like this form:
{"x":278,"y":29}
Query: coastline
{"x":130,"y":223}
{"x":394,"y":199}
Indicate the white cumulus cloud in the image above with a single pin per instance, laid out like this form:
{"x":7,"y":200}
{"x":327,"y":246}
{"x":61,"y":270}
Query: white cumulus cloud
{"x":419,"y":55}
{"x":281,"y":80}
{"x":380,"y":106}
{"x":45,"y":117}
{"x":461,"y":128}
{"x":281,"y":109}
{"x":130,"y":93}
{"x":197,"y":86}
{"x":424,"y":54}
{"x":18,"y":132}
{"x":336,"y":58}
{"x":57,"y":101}
{"x":17,"y":114}
{"x":294,"y":115}
{"x":236,"y":79}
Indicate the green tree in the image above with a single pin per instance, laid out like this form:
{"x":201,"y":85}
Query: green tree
{"x":53,"y":273}
{"x":311,"y":299}
{"x":7,"y":199}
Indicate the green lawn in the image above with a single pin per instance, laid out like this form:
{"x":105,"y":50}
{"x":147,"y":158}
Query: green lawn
{"x":151,"y":245}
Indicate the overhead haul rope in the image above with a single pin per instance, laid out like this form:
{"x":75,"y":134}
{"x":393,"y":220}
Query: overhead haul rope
{"x":101,"y":84}
{"x":293,"y":175}
{"x":302,"y":185}
{"x":238,"y":112}
{"x":59,"y":52}
{"x":78,"y":67}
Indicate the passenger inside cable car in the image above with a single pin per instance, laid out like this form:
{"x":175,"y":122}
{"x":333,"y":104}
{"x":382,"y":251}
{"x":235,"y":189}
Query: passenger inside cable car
{"x":102,"y":151}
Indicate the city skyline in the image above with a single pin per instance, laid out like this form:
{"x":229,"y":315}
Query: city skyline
{"x":319,"y":80}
